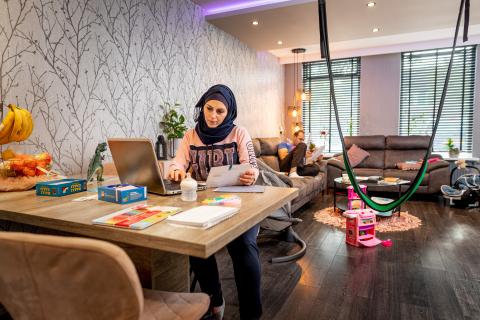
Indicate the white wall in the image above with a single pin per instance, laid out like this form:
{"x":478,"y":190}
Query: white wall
{"x":380,"y":94}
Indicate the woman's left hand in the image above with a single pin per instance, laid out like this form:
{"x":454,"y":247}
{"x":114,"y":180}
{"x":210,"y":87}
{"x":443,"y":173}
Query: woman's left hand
{"x":248,"y":177}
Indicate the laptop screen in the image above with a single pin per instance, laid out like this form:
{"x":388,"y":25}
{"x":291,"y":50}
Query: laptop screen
{"x":136,"y":162}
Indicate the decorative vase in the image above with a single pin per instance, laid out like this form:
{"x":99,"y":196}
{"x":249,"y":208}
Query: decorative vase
{"x":453,"y":153}
{"x":173,"y":145}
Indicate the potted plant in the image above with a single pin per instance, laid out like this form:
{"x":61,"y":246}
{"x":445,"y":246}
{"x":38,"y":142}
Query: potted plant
{"x":173,"y":126}
{"x":453,"y":152}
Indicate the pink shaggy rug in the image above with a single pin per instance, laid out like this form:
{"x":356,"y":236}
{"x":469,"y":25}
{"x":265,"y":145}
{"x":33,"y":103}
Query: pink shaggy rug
{"x":389,"y":224}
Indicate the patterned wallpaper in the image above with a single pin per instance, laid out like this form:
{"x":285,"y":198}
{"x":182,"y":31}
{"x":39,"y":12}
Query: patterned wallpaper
{"x":91,"y":69}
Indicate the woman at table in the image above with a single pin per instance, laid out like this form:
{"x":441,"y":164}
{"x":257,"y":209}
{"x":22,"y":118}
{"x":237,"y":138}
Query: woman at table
{"x":217,"y":141}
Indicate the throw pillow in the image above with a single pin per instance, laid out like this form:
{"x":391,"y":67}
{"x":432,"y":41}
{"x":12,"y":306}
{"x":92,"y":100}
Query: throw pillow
{"x":356,"y":155}
{"x":283,"y":149}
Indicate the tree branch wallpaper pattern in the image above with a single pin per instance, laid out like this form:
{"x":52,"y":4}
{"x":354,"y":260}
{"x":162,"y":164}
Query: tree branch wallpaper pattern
{"x":92,"y":69}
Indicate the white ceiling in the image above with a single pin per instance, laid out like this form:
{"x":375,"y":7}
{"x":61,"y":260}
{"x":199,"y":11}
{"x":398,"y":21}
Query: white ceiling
{"x":404,"y":25}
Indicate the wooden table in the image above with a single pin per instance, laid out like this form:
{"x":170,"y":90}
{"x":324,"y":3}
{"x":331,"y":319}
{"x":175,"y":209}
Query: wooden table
{"x":160,"y":252}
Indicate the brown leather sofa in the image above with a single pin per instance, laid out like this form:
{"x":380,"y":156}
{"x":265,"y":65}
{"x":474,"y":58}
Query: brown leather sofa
{"x":309,"y":187}
{"x":385,"y":153}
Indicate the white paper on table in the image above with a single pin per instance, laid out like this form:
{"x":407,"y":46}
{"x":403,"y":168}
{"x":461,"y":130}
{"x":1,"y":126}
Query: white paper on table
{"x":226,"y":175}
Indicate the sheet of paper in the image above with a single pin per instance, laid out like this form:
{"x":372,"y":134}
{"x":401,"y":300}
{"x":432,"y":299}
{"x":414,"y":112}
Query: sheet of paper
{"x":86,"y":198}
{"x":317,"y":153}
{"x":226,"y":175}
{"x":253,"y":189}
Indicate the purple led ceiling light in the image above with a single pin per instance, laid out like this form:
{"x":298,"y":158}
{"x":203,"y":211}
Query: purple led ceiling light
{"x":219,"y":7}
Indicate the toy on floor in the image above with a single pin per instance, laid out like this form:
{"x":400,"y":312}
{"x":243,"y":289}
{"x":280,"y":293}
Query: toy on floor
{"x":387,"y":243}
{"x":360,"y":228}
{"x":354,"y":201}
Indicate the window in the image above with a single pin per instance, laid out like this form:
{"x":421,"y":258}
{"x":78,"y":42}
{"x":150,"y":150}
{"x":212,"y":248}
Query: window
{"x":423,"y":77}
{"x":318,"y":113}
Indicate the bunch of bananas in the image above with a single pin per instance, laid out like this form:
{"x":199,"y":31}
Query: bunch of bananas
{"x":16,"y":126}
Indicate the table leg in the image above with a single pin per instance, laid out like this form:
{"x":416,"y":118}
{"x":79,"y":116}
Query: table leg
{"x":334,"y":195}
{"x":160,"y":270}
{"x":399,"y":195}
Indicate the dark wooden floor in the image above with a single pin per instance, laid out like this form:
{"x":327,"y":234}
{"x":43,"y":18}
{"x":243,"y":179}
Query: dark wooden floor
{"x":429,"y":273}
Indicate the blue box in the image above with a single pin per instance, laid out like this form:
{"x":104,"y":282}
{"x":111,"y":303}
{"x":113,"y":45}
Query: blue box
{"x":63,"y":187}
{"x":122,"y":193}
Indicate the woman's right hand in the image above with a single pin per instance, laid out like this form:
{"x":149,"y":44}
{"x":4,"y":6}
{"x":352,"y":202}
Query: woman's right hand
{"x":176,"y":174}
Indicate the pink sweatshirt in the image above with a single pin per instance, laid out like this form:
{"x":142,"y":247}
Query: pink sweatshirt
{"x":236,"y":148}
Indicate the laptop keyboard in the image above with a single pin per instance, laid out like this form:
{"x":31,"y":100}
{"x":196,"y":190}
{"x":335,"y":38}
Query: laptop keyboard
{"x":171,"y":185}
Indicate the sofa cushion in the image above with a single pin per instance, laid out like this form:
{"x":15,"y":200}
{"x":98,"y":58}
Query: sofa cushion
{"x":437,"y":165}
{"x":271,"y":161}
{"x":366,"y":142}
{"x":405,"y":175}
{"x":336,"y":163}
{"x":392,"y":157}
{"x":407,"y":142}
{"x":268,"y":146}
{"x":356,"y":155}
{"x":375,"y":160}
{"x":307,"y":185}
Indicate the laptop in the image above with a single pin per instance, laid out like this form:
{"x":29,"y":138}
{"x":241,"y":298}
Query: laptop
{"x":136,"y":164}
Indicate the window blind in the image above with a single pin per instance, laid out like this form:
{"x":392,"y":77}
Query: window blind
{"x":318,"y":113}
{"x":422,"y":79}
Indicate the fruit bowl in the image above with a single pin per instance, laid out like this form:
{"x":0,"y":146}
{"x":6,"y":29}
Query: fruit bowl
{"x":23,"y":171}
{"x":22,"y":183}
{"x":24,"y":165}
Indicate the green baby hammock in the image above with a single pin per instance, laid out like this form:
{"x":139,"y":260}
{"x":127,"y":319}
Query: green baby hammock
{"x":325,"y":53}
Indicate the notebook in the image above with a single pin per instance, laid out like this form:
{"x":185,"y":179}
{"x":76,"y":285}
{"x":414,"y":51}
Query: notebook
{"x":203,"y":217}
{"x":137,"y":217}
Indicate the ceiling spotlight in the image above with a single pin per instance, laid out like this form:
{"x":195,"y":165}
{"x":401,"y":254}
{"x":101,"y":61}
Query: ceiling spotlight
{"x":375,"y":30}
{"x":371,"y":4}
{"x":255,"y":22}
{"x":279,"y":42}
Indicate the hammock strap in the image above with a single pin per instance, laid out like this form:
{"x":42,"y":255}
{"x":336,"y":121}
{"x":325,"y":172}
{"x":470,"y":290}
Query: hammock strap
{"x":325,"y":52}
